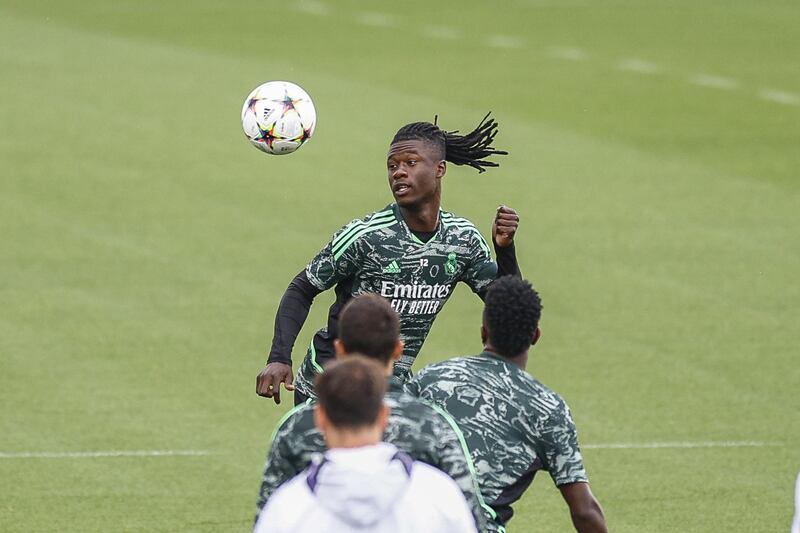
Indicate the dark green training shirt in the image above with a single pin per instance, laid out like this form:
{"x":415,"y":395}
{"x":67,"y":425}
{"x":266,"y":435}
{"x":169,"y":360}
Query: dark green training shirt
{"x":423,"y":431}
{"x":380,"y":254}
{"x":513,"y":425}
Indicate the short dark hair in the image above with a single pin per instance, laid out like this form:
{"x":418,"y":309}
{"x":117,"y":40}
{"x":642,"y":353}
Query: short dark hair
{"x":470,"y":149}
{"x":351,"y":391}
{"x":511,"y":313}
{"x":370,"y":326}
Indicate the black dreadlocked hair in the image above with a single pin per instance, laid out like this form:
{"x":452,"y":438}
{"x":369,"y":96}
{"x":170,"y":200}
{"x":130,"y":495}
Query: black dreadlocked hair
{"x":469,"y":149}
{"x":511,"y":312}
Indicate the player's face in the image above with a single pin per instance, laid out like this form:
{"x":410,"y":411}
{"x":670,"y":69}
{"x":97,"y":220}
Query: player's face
{"x":415,"y":172}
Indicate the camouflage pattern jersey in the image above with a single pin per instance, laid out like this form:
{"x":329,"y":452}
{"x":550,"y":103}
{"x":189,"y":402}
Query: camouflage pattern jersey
{"x":513,"y":425}
{"x":423,"y":431}
{"x":380,"y":254}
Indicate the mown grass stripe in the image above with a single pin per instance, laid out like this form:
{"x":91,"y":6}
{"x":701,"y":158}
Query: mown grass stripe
{"x":107,"y":453}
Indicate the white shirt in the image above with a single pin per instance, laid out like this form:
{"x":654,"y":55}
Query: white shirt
{"x":796,"y":521}
{"x":371,"y":488}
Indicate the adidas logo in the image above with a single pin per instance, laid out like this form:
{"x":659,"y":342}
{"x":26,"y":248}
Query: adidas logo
{"x":392,"y":268}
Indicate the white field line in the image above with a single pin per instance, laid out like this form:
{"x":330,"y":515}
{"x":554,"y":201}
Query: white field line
{"x":570,"y":53}
{"x":714,"y":82}
{"x":685,"y":444}
{"x":638,"y":65}
{"x":379,"y":20}
{"x":780,"y":97}
{"x":445,"y":33}
{"x":567,"y":52}
{"x":505,"y":41}
{"x":113,"y":453}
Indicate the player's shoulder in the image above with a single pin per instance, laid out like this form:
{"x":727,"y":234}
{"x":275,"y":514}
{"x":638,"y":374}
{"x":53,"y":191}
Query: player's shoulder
{"x":438,"y":500}
{"x":453,"y":367}
{"x":463,"y":229}
{"x":361,"y":227}
{"x":488,"y":370}
{"x":431,"y":486}
{"x":431,"y":479}
{"x":408,"y":406}
{"x":518,"y":382}
{"x":289,"y":502}
{"x":293,"y":488}
{"x":417,"y":413}
{"x":380,"y":217}
{"x":454,"y":223}
{"x":296,"y":421}
{"x":450,"y":219}
{"x":538,"y":397}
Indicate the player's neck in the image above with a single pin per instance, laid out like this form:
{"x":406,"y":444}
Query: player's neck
{"x":421,"y":218}
{"x":521,"y":360}
{"x":352,"y":438}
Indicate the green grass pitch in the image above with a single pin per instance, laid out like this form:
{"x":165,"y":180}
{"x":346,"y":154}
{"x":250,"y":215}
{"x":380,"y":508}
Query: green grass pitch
{"x":655,"y":149}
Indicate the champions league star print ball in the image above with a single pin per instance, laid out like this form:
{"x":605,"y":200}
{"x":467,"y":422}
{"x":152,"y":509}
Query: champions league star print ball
{"x":278,"y":117}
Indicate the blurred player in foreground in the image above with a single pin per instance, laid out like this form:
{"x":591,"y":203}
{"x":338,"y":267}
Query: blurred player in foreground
{"x":362,"y":484}
{"x":412,"y":253}
{"x":369,"y":326}
{"x":514,"y":426}
{"x":796,"y":521}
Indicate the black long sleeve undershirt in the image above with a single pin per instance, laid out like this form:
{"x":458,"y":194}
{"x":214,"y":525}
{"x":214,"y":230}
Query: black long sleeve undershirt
{"x":507,"y":261}
{"x":291,"y":315}
{"x":300,"y":294}
{"x":506,"y":264}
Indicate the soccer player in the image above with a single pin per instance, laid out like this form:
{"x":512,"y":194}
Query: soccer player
{"x":412,"y":253}
{"x":362,"y":484}
{"x":796,"y":520}
{"x":369,"y":326}
{"x":513,"y":425}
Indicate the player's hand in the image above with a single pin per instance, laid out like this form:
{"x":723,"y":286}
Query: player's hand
{"x":268,"y":382}
{"x":506,"y":222}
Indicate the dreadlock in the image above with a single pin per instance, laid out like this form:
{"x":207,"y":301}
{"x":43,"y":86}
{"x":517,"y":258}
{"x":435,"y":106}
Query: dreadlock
{"x":469,"y":149}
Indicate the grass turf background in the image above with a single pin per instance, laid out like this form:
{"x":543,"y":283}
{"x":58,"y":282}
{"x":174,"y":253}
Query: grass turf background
{"x":145,"y":245}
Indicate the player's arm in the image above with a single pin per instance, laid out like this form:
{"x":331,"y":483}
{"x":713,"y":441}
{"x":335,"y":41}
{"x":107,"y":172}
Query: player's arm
{"x":563,"y":460}
{"x":504,"y":228}
{"x":335,"y":262}
{"x":289,"y":320}
{"x":587,"y":515}
{"x":482,"y":270}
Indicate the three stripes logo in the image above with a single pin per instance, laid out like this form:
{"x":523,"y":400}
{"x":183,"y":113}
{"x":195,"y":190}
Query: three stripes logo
{"x":358,"y":228}
{"x":392,"y":268}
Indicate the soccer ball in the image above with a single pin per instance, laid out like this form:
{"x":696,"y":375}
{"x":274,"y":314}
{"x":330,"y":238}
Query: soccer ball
{"x":278,"y":117}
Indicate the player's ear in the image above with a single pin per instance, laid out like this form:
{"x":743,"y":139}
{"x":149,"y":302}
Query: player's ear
{"x":536,"y":335}
{"x":338,"y":347}
{"x":484,"y":335}
{"x":441,"y":168}
{"x":398,"y":350}
{"x":383,"y":417}
{"x":320,"y":419}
